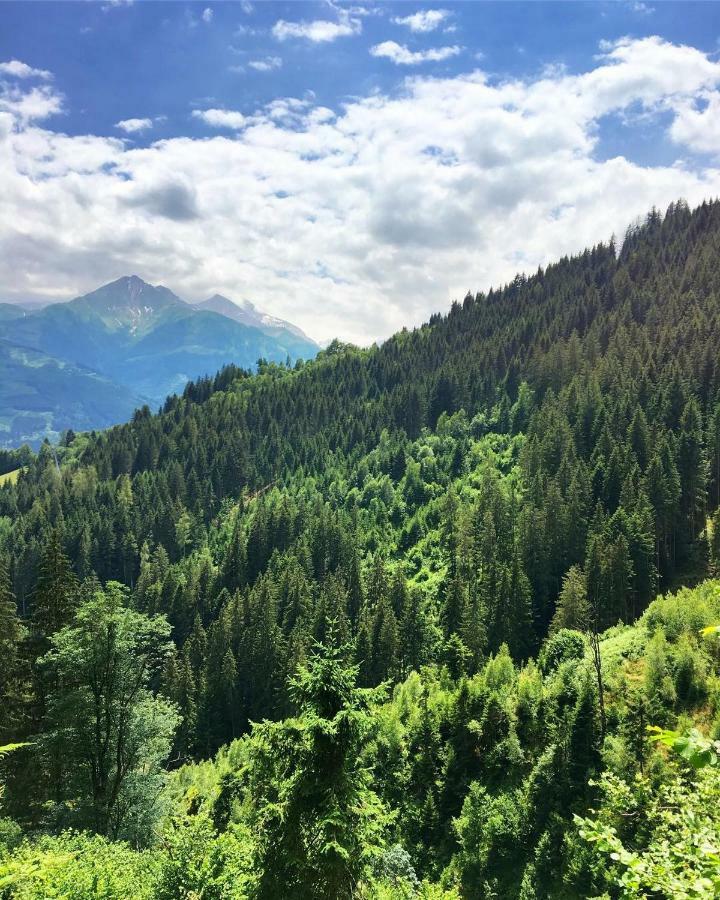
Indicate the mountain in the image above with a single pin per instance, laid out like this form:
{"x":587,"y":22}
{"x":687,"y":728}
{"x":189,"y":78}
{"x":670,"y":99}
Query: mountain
{"x":176,"y":349}
{"x":40,"y":396}
{"x":9,"y":311}
{"x":140,"y":340}
{"x":246,"y":313}
{"x":129,"y":306}
{"x":421,"y":601}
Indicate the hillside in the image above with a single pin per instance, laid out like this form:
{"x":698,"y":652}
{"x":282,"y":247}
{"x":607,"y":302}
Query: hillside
{"x":543,"y":460}
{"x":39,"y":392}
{"x":140,"y":341}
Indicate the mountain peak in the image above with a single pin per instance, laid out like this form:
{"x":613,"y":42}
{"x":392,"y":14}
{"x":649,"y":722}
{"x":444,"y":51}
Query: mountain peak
{"x":246,"y":313}
{"x":128,"y":304}
{"x":131,"y":287}
{"x":129,"y":292}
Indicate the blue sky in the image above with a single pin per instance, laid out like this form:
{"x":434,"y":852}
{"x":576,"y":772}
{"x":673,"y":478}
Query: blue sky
{"x":352,"y":167}
{"x":161,"y":59}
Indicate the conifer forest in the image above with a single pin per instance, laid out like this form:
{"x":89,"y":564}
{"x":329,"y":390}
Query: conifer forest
{"x":436,"y":619}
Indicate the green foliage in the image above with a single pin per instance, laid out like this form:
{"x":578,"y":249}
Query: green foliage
{"x":198,"y":862}
{"x":489,"y":830}
{"x":562,"y":646}
{"x":672,"y":850}
{"x":697,"y":751}
{"x":107,"y":734}
{"x":77,"y":867}
{"x":318,"y":822}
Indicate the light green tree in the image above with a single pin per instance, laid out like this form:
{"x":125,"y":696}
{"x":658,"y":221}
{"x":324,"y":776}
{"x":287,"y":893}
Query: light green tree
{"x":319,"y":823}
{"x":112,"y":732}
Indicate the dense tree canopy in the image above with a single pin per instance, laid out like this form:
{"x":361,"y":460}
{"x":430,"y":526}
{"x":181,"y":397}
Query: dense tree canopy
{"x":466,"y":510}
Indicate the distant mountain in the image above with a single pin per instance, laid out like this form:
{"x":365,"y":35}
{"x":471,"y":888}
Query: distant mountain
{"x":10,"y":311}
{"x":40,"y":396}
{"x":129,"y":305}
{"x":181,"y":347}
{"x":246,"y":313}
{"x":142,"y":341}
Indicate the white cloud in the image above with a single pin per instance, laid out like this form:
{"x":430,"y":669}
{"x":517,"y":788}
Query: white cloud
{"x":115,"y":4}
{"x":319,"y":31}
{"x":35,"y":104}
{"x":359,"y":220}
{"x":134,"y":126}
{"x":207,"y":15}
{"x":246,"y":7}
{"x":423,"y":21}
{"x":18,"y":69}
{"x":267,"y":64}
{"x":401,"y":56}
{"x":221,"y":118}
{"x":697,"y":124}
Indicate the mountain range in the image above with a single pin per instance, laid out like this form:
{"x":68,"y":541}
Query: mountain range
{"x":88,"y":363}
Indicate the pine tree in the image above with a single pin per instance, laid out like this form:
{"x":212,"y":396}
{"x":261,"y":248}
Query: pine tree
{"x":55,"y":595}
{"x":692,"y":466}
{"x":12,"y":634}
{"x":234,"y":567}
{"x":573,"y":609}
{"x":584,"y":738}
{"x":317,"y":820}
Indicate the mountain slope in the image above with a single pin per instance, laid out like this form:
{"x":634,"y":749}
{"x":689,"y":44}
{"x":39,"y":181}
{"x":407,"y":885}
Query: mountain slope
{"x":9,"y":311}
{"x":539,"y":463}
{"x":179,"y":348}
{"x":246,"y":313}
{"x":40,"y":396}
{"x":143,"y":340}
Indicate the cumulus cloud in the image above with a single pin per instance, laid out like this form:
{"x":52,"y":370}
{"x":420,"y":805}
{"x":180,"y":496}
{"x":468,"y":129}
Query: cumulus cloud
{"x":401,"y":56}
{"x":320,"y":31}
{"x":134,"y":126}
{"x":697,"y":123}
{"x":27,"y":105}
{"x":423,"y":21}
{"x":207,"y":15}
{"x":221,"y":118}
{"x":362,"y":219}
{"x":18,"y":69}
{"x":267,"y":64}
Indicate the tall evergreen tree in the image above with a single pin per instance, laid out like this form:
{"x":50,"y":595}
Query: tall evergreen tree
{"x":318,"y":821}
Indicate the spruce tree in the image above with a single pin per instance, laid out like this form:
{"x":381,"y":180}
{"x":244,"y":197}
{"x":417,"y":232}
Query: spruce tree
{"x":12,"y":633}
{"x":56,"y":589}
{"x":317,"y":820}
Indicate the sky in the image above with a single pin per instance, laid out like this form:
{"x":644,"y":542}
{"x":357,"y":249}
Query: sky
{"x":350,"y":167}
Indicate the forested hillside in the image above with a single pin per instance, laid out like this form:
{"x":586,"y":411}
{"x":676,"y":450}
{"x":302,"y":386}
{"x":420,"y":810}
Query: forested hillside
{"x":411,"y":561}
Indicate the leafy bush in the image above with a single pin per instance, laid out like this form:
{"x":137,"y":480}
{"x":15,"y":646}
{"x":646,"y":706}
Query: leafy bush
{"x":564,"y":645}
{"x":77,"y":866}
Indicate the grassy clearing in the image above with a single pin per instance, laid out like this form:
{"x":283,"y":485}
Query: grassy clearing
{"x":10,"y":477}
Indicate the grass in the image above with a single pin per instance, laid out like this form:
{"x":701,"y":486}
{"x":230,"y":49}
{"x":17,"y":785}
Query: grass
{"x":10,"y":477}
